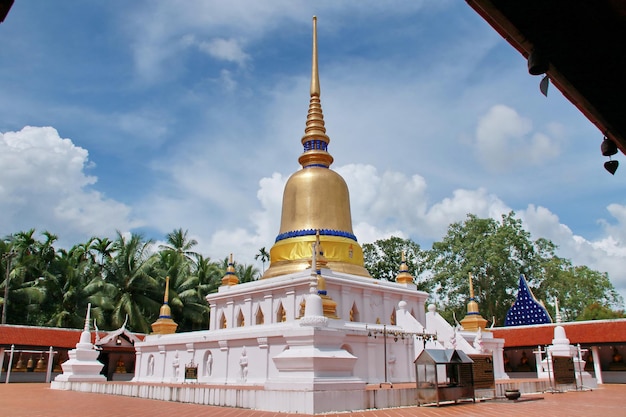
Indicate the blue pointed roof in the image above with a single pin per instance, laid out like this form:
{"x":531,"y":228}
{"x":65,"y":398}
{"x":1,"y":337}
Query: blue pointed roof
{"x":526,"y":309}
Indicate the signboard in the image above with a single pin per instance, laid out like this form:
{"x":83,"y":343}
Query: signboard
{"x":563,"y":367}
{"x":191,"y":372}
{"x":483,"y":372}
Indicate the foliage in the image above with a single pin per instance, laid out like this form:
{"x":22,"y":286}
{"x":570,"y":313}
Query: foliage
{"x":384,"y":257}
{"x":495,"y":253}
{"x":123,"y":277}
{"x":596,"y":311}
{"x":264,"y":256}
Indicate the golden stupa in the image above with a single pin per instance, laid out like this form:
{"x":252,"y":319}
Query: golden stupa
{"x":165,"y":324}
{"x":315,"y":201}
{"x":473,"y":320}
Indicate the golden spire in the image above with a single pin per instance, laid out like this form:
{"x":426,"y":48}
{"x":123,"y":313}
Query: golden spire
{"x":473,"y":320}
{"x":231,"y":277}
{"x":315,"y":75}
{"x":165,"y":324}
{"x":315,"y":201}
{"x":315,"y":139}
{"x":404,"y":276}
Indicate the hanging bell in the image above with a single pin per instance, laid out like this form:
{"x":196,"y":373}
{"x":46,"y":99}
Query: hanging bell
{"x":537,"y":62}
{"x":608,"y":147}
{"x":41,"y":364}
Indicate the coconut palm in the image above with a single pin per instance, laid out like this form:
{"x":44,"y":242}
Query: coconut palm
{"x":21,"y":295}
{"x":264,"y":257}
{"x":132,"y":272}
{"x":177,"y":241}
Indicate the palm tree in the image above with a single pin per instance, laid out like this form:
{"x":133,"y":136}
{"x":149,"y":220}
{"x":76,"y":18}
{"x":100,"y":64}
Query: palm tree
{"x":133,"y":274}
{"x":22,"y":296}
{"x":72,"y":283}
{"x":177,"y":241}
{"x":264,"y":257}
{"x":209,"y":275}
{"x":103,"y":248}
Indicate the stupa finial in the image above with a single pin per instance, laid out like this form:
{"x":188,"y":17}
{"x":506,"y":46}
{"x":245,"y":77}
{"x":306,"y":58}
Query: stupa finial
{"x":87,"y":317}
{"x":315,"y":76}
{"x":315,"y":140}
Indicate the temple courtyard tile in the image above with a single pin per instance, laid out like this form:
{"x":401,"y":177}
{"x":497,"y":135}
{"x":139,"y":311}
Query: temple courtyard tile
{"x":38,"y":400}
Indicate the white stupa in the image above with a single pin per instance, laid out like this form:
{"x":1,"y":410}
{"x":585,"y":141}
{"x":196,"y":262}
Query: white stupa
{"x":83,"y":364}
{"x":561,"y":347}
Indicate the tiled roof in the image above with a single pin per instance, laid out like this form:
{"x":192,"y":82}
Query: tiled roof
{"x":41,"y":336}
{"x":526,"y":309}
{"x":584,"y":332}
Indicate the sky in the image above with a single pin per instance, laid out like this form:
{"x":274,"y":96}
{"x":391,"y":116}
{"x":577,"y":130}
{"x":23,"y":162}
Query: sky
{"x":153,"y":115}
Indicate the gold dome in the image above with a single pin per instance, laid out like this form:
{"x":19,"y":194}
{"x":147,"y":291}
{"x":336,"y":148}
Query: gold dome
{"x":315,"y":200}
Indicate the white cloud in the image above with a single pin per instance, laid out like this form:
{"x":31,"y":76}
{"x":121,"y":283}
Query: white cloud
{"x":44,"y":185}
{"x":605,"y":254}
{"x":505,"y":140}
{"x":225,"y":49}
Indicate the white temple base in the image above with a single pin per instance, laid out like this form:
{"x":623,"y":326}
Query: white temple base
{"x":302,"y":402}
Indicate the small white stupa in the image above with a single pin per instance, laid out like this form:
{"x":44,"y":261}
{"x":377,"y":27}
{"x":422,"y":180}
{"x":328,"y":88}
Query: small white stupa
{"x":83,"y":365}
{"x":561,"y":347}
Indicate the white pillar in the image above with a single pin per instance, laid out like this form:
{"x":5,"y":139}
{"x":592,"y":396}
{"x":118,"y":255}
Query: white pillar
{"x":1,"y":361}
{"x":372,"y":360}
{"x":596,"y":364}
{"x":10,"y":364}
{"x":213,"y":316}
{"x":538,"y":359}
{"x":49,"y":370}
{"x":290,"y":307}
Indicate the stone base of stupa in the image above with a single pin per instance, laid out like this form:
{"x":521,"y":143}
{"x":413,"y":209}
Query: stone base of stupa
{"x":83,"y":366}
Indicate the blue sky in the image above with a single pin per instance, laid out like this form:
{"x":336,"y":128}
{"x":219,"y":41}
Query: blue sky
{"x":149,"y":116}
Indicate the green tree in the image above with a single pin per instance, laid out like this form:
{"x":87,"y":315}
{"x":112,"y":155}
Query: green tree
{"x":72,"y":284}
{"x":384,"y":256}
{"x":138,"y":294}
{"x":24,"y":263}
{"x":209,"y":275}
{"x":576,"y":287}
{"x":264,"y":256}
{"x":179,"y":242}
{"x":176,"y":259}
{"x":597,"y":311}
{"x":495,"y":253}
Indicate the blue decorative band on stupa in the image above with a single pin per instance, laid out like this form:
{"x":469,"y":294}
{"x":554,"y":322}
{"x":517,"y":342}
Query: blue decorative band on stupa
{"x":312,"y":232}
{"x":315,"y":144}
{"x":315,"y":166}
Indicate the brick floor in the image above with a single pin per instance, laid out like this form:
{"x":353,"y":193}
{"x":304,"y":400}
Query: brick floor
{"x":38,"y":400}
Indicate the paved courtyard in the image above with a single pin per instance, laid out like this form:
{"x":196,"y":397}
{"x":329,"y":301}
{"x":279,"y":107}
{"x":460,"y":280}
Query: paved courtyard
{"x":38,"y":400}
